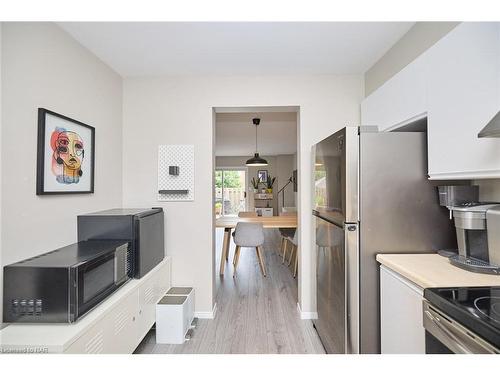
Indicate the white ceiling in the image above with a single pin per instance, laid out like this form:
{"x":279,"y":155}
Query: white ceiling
{"x":235,"y":134}
{"x":169,"y":48}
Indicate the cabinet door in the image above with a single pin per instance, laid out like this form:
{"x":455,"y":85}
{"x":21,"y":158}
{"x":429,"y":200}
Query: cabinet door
{"x":91,"y":342}
{"x":150,"y":292}
{"x":401,"y":323}
{"x":463,"y":95}
{"x":402,"y":99}
{"x":121,"y":326}
{"x":115,"y":332}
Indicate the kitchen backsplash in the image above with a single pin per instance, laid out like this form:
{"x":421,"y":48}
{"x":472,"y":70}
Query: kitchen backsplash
{"x":489,"y":190}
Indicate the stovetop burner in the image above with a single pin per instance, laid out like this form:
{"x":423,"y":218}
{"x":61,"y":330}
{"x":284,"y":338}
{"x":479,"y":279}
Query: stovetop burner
{"x":477,"y":308}
{"x":489,"y":307}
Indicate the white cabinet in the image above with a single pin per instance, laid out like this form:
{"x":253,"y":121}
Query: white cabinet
{"x":402,"y":99}
{"x":401,"y":325}
{"x":456,"y":84}
{"x":117,"y":325}
{"x":123,"y":326}
{"x":116,"y":332}
{"x":91,"y":342}
{"x":463,"y":95}
{"x":149,"y":293}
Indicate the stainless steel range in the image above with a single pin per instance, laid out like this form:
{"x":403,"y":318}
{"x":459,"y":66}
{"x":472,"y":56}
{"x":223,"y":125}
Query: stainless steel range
{"x":462,"y":320}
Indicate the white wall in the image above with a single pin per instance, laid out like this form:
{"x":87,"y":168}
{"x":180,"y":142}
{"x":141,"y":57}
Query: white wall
{"x":416,"y":41}
{"x":178,"y":110}
{"x":284,"y":170}
{"x":235,"y":133}
{"x":42,"y":66}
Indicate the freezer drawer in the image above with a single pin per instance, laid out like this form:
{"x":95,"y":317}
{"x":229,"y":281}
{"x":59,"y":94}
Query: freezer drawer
{"x":331,"y":287}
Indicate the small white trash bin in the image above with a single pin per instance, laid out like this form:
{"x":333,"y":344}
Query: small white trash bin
{"x":171,"y":321}
{"x":189,"y":293}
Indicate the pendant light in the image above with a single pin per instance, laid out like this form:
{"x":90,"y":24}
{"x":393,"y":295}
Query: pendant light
{"x":256,"y":161}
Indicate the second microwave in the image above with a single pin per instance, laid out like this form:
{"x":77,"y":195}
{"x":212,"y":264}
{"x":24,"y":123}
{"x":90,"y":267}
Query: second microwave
{"x":64,"y":284}
{"x":143,"y":228}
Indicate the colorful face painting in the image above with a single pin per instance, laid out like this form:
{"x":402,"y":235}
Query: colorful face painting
{"x":65,"y":155}
{"x":68,"y":153}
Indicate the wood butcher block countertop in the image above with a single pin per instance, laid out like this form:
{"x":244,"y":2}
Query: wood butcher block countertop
{"x":433,"y":270}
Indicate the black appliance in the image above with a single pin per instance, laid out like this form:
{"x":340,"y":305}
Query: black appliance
{"x":64,"y":284}
{"x":462,"y":320}
{"x":143,"y":228}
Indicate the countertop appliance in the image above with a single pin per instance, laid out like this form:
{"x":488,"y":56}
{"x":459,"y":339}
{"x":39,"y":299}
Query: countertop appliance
{"x":456,"y":195}
{"x":372,"y":195}
{"x":64,"y":284}
{"x":462,"y":320}
{"x":143,"y":228}
{"x":477,"y":227}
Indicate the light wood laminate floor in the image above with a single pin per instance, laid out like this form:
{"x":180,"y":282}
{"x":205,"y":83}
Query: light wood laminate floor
{"x":255,"y":314}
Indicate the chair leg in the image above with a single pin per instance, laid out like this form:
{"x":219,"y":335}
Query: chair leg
{"x":236,"y":255}
{"x":228,"y":244}
{"x":294,"y":248}
{"x":260,"y":256}
{"x":236,"y":259}
{"x":296,"y":263}
{"x":285,"y":246}
{"x":281,"y":246}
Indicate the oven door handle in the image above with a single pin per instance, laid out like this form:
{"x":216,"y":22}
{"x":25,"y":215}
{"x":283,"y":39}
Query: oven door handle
{"x":455,"y":340}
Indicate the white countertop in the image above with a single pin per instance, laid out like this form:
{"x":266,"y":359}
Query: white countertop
{"x":433,"y":270}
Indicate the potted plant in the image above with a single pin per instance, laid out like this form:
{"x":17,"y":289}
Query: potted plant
{"x":270,"y":182}
{"x":255,"y":184}
{"x":218,"y":208}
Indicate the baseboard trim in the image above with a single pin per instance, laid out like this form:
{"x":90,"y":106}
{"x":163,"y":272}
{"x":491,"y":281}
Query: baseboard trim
{"x":306,"y":314}
{"x":206,"y":314}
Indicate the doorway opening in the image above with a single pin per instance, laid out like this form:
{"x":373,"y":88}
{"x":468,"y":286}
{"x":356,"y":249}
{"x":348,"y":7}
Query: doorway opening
{"x":256,"y":180}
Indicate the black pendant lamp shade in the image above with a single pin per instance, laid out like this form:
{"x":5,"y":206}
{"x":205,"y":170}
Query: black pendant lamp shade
{"x":256,"y":161}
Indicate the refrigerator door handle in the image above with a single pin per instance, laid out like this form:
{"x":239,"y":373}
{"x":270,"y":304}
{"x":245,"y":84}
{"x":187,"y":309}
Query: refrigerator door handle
{"x":352,"y":329}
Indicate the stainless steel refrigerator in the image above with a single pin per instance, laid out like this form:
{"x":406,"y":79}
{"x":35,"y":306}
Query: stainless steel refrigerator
{"x":371,"y":195}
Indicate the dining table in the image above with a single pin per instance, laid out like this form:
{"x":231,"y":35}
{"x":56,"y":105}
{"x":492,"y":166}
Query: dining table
{"x":230,"y":222}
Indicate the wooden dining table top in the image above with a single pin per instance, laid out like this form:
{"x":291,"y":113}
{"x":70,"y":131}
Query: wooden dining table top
{"x":267,"y":221}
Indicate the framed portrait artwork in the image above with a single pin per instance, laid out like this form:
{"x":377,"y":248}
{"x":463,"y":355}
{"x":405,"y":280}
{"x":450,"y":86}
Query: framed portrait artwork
{"x":262,"y":174}
{"x":65,"y":155}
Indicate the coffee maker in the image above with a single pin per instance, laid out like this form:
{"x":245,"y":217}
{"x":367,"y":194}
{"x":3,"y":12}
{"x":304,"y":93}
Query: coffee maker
{"x":477,"y":227}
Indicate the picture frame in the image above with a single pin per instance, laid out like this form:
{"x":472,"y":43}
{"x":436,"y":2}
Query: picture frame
{"x":65,"y":155}
{"x":262,"y":175}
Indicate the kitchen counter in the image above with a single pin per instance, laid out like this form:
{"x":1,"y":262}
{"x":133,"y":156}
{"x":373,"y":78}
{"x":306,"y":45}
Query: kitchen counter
{"x":433,"y":270}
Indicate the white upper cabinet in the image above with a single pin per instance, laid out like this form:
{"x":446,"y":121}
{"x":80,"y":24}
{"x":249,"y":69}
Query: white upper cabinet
{"x":400,"y":100}
{"x":456,"y":84}
{"x":463,"y":95}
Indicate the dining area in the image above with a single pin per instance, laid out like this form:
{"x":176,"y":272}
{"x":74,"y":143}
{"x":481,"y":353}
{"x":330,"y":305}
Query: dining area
{"x":249,"y":231}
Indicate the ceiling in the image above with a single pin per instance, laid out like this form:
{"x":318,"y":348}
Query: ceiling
{"x":235,"y":134}
{"x":182,"y":48}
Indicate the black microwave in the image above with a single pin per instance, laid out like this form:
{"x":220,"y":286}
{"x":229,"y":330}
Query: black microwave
{"x":142,"y":228}
{"x":64,"y":284}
